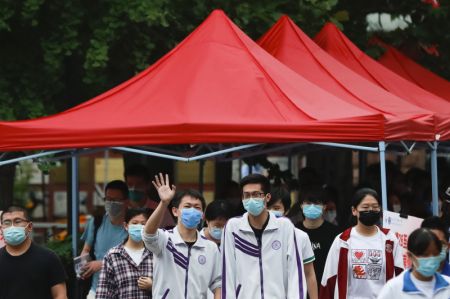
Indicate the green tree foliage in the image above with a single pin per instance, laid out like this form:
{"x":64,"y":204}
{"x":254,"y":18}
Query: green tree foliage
{"x":56,"y":54}
{"x":428,"y":29}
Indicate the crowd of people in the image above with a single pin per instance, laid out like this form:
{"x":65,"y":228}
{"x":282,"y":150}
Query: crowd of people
{"x":257,"y":246}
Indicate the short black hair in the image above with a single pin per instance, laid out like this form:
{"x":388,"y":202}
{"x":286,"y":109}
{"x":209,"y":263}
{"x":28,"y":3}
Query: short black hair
{"x":434,"y":222}
{"x":12,"y":209}
{"x":131,"y":213}
{"x":188,"y":192}
{"x":280,"y":193}
{"x":315,"y":195}
{"x":256,"y":179}
{"x":218,"y":209}
{"x":138,"y":170}
{"x":363,"y":192}
{"x":118,"y":185}
{"x":420,"y":239}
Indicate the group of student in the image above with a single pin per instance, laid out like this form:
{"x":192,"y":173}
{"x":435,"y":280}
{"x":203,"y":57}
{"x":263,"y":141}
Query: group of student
{"x":261,"y":254}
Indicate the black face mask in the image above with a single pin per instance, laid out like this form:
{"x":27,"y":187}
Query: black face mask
{"x":369,"y":218}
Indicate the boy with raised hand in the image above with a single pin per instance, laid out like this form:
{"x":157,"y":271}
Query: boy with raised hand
{"x":185,"y":265}
{"x":260,"y":255}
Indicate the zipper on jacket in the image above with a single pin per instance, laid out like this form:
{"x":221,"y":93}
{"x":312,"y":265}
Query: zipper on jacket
{"x":187,"y":272}
{"x":261,"y":277}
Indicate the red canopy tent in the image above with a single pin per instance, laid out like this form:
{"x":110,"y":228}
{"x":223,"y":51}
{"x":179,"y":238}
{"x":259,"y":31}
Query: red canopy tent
{"x":414,"y":72}
{"x":216,"y":86}
{"x":333,"y":41}
{"x":287,"y":42}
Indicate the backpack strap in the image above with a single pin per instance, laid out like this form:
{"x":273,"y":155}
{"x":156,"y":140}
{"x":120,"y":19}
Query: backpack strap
{"x":97,"y":223}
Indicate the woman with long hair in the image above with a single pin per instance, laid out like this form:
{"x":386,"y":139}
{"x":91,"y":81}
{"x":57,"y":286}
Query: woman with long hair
{"x":363,"y":257}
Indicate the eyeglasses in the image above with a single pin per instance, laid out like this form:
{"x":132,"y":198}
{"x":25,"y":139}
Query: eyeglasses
{"x":257,"y":194}
{"x":15,"y":222}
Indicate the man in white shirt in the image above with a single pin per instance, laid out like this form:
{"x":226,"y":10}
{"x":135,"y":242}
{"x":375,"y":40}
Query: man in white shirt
{"x":260,"y":255}
{"x":185,"y":264}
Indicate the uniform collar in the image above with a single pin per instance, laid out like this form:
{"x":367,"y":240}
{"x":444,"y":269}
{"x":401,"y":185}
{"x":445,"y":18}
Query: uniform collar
{"x":177,"y":239}
{"x":271,"y":225}
{"x":446,"y":269}
{"x":410,"y":287}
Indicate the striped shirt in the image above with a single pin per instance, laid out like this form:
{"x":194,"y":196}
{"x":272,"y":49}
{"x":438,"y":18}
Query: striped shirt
{"x":119,"y":275}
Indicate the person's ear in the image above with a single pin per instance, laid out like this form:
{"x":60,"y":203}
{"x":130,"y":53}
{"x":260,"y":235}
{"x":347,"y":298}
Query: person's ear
{"x":175,"y":212}
{"x":125,"y":225}
{"x":29,"y":227}
{"x":354,"y":212}
{"x":268,"y":197}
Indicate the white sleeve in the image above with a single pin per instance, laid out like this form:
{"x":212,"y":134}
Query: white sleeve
{"x":216,"y":275}
{"x":296,"y":278}
{"x":228,"y":262}
{"x":155,"y":242}
{"x":307,"y":251}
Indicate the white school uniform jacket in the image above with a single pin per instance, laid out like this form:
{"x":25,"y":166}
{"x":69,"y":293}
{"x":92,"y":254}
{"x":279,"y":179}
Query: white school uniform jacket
{"x":271,"y":269}
{"x":180,"y":272}
{"x":403,"y":287}
{"x":336,"y":272}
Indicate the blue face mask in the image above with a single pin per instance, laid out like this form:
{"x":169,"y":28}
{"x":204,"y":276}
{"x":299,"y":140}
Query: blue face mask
{"x":312,"y":211}
{"x":216,"y":232}
{"x":135,"y":232}
{"x":277,"y":214}
{"x":190,"y":217}
{"x":14,"y":235}
{"x":136,"y":195}
{"x":427,"y":266}
{"x":254,"y":206}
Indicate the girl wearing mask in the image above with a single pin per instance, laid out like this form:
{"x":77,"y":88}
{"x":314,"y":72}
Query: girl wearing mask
{"x":128,"y":268}
{"x":422,"y":280}
{"x":364,"y":257}
{"x":217,"y":214}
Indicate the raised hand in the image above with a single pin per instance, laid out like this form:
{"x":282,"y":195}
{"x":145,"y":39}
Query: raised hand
{"x":165,"y":192}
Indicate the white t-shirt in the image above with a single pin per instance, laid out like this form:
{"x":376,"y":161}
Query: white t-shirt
{"x":426,"y":287}
{"x":136,"y":255}
{"x":366,"y":262}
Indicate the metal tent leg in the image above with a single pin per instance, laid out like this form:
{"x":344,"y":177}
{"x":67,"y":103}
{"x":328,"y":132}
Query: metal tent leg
{"x":382,"y":150}
{"x":75,"y":205}
{"x":434,"y":178}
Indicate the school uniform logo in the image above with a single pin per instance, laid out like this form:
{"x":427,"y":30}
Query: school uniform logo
{"x":276,"y":245}
{"x":201,"y":259}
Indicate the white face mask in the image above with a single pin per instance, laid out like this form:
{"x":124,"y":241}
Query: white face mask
{"x":396,"y":208}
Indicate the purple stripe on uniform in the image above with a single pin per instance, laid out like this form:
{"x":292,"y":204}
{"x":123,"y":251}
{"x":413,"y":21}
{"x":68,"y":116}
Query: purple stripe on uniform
{"x":165,"y":294}
{"x":179,"y":262}
{"x":238,"y":290}
{"x":299,"y":268}
{"x":224,"y":276}
{"x":246,"y":251}
{"x":254,"y":247}
{"x":242,"y":245}
{"x":172,"y":249}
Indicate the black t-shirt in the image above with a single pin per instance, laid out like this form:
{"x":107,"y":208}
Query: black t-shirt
{"x":30,"y":275}
{"x":258,"y":232}
{"x":321,"y":240}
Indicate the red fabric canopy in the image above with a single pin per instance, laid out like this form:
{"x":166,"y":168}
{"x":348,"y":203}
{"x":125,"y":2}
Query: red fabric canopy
{"x":216,"y":86}
{"x":294,"y":48}
{"x":414,"y":72}
{"x":332,"y":40}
